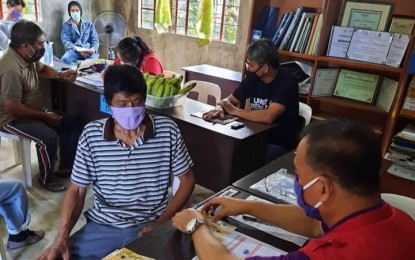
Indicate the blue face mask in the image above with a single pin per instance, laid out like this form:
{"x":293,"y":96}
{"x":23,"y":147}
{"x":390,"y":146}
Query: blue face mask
{"x":76,"y":16}
{"x":310,"y":211}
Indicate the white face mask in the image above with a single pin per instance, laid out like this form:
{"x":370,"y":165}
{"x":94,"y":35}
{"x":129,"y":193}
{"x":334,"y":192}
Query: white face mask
{"x":76,"y":16}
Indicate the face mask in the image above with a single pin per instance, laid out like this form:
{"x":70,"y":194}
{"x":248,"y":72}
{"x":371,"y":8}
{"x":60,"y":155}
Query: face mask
{"x":36,"y":55}
{"x":15,"y":14}
{"x":310,"y":211}
{"x":253,"y":74}
{"x":128,"y":117}
{"x":76,"y":16}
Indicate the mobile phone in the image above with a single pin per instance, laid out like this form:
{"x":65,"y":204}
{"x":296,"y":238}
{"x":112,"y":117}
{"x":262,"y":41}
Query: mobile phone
{"x":236,"y":126}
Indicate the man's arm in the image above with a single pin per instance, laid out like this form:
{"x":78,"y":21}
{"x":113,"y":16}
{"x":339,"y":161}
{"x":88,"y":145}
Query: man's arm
{"x":218,"y":112}
{"x":18,"y":110}
{"x":72,"y":208}
{"x":206,"y":245}
{"x":50,"y":73}
{"x":183,"y":193}
{"x":288,"y":217}
{"x":263,"y":116}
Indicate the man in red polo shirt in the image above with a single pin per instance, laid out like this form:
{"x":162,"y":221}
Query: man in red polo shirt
{"x":339,"y":204}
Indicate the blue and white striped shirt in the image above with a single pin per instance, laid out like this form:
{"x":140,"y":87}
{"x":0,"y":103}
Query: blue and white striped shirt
{"x":130,"y":185}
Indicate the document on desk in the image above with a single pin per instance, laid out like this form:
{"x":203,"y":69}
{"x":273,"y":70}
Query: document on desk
{"x":243,"y":246}
{"x":124,"y":253}
{"x":223,"y":121}
{"x":279,"y":185}
{"x":94,"y":79}
{"x":268,"y":228}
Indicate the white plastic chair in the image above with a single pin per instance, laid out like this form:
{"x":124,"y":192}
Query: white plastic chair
{"x":21,"y":154}
{"x":403,"y":203}
{"x":305,"y":112}
{"x":205,"y":89}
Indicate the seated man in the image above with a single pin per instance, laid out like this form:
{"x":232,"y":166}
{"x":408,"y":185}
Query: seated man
{"x":14,"y":209}
{"x":339,"y":205}
{"x":130,"y":159}
{"x":14,"y":12}
{"x":273,"y":98}
{"x":81,"y":33}
{"x":21,"y":105}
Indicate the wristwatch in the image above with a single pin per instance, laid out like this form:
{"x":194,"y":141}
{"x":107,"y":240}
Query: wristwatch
{"x":194,"y":223}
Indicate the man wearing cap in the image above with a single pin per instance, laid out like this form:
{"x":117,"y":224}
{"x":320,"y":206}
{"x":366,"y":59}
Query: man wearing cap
{"x":14,"y":12}
{"x":78,"y":33}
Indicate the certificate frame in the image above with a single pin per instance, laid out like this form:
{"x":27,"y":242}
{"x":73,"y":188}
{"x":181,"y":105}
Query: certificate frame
{"x":369,"y":46}
{"x":371,"y":13}
{"x":357,"y":86}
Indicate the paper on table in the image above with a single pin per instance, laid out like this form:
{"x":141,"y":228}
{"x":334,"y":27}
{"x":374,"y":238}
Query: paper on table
{"x":270,"y":229}
{"x":79,"y":48}
{"x":243,"y":246}
{"x":124,"y":253}
{"x":92,"y":79}
{"x":222,"y":121}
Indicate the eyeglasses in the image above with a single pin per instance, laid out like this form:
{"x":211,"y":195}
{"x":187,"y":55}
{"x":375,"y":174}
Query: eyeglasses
{"x":248,"y":67}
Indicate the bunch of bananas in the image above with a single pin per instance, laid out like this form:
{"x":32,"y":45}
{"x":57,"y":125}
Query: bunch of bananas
{"x":161,"y":86}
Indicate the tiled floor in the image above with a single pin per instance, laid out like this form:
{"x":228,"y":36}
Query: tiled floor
{"x":44,"y":205}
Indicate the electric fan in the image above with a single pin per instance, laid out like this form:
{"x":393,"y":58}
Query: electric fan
{"x":111,"y":28}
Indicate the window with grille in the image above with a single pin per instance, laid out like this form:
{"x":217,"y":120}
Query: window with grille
{"x":32,"y":11}
{"x":184,"y":12}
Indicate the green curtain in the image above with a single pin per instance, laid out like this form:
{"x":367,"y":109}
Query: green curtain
{"x":163,"y":16}
{"x":204,"y":22}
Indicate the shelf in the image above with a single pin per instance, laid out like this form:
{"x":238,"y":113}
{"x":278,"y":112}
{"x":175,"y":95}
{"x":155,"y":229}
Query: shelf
{"x":334,"y":107}
{"x":352,"y":64}
{"x":406,"y":116}
{"x":297,"y":55}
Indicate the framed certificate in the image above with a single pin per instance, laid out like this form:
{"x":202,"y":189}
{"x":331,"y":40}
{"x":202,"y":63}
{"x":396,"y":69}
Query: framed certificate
{"x":397,"y":50}
{"x":369,"y":46}
{"x":356,"y":85}
{"x":324,"y":82}
{"x":366,"y":15}
{"x":339,"y":41}
{"x":402,"y":25}
{"x":386,"y":94}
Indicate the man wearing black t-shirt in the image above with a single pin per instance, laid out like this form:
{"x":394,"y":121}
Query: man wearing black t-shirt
{"x":273,"y":98}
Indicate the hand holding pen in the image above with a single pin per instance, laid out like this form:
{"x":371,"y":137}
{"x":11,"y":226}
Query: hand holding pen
{"x":69,"y":75}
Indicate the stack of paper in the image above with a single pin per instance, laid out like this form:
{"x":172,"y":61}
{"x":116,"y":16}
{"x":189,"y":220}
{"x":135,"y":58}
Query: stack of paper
{"x":94,"y":79}
{"x":279,"y":185}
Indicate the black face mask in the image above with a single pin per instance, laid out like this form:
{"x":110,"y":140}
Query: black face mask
{"x":37,"y":55}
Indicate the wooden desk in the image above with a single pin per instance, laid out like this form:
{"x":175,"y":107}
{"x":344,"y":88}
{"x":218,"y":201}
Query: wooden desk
{"x":165,"y":242}
{"x":228,"y":80}
{"x":220,"y":155}
{"x":389,"y":183}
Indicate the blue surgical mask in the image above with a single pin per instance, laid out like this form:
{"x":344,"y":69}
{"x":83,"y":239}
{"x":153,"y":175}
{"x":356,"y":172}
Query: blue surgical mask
{"x":76,"y":16}
{"x":311,"y":211}
{"x":128,"y":117}
{"x":15,"y":14}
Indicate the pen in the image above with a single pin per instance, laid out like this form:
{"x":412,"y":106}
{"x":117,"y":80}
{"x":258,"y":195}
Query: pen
{"x":77,"y":67}
{"x":249,"y":218}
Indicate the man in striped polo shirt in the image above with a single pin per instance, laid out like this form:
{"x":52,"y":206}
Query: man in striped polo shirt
{"x":129,"y":158}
